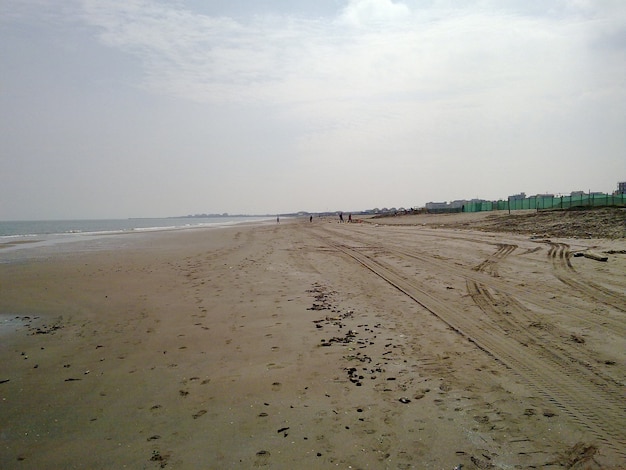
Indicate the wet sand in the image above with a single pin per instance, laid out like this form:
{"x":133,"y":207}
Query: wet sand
{"x":316,"y":345}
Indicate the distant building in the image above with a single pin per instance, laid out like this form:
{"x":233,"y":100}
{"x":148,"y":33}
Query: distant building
{"x":621,"y":187}
{"x":458,"y":203}
{"x":436,"y":205}
{"x":577,"y":193}
{"x":517,"y":196}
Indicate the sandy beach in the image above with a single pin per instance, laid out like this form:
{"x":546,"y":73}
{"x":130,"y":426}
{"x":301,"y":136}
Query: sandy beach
{"x":424,"y":342}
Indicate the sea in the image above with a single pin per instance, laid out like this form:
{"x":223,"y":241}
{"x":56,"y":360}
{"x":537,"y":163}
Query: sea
{"x":36,"y":238}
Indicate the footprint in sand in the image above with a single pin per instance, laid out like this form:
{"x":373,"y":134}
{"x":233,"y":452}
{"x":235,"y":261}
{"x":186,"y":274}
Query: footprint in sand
{"x":276,"y":386}
{"x":262,"y":459}
{"x":199,"y":413}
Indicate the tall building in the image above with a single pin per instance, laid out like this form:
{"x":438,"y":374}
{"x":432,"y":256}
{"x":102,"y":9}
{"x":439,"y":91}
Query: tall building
{"x":621,"y":187}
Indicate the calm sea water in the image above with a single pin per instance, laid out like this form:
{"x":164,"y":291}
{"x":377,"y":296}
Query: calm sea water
{"x":27,"y":239}
{"x":20,"y":229}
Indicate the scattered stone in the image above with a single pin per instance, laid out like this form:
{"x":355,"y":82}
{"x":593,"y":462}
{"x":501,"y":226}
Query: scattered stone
{"x":45,"y":330}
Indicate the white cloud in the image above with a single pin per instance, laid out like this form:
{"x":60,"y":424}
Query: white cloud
{"x":374,"y":13}
{"x":371,"y":49}
{"x":368,"y":78}
{"x":280,"y":60}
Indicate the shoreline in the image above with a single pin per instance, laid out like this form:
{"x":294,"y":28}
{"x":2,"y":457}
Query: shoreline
{"x":266,"y":345}
{"x":49,"y":244}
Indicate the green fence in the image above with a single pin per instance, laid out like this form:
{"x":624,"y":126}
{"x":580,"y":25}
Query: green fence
{"x":544,"y":203}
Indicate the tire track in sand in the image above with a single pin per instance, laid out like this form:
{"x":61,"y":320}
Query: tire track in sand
{"x":593,"y":404}
{"x":559,"y":254}
{"x":524,"y":324}
{"x":478,"y":276}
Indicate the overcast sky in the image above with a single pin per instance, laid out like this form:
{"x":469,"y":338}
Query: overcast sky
{"x":133,"y":108}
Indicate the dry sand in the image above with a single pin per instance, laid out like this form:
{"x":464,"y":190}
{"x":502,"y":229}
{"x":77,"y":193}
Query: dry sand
{"x":317,"y":345}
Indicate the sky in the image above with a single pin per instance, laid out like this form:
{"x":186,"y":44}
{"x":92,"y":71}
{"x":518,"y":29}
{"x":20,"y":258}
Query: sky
{"x":135,"y":108}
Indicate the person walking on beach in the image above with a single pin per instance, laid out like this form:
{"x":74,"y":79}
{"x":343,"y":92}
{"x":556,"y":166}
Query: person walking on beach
{"x":350,"y":218}
{"x":340,"y":217}
{"x":277,"y":219}
{"x":310,"y":218}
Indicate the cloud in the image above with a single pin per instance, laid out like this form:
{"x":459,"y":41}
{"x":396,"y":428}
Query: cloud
{"x":368,"y":50}
{"x":198,"y":57}
{"x":372,"y":48}
{"x":382,"y":76}
{"x":374,"y":12}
